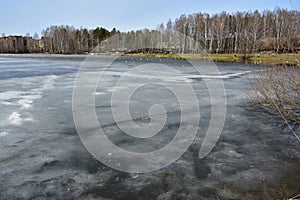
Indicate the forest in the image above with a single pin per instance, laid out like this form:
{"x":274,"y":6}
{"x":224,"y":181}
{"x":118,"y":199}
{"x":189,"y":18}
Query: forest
{"x":275,"y":31}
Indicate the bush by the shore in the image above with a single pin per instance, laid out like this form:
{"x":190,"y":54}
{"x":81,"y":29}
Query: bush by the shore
{"x":277,"y":90}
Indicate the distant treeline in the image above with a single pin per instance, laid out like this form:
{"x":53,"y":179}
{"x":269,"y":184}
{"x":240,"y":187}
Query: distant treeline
{"x":242,"y":32}
{"x":57,"y":40}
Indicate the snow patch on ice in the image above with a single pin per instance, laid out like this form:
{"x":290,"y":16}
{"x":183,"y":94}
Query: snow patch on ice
{"x":7,"y":103}
{"x":27,"y":100}
{"x":4,"y":133}
{"x":99,"y":93}
{"x":219,"y":76}
{"x":5,"y":96}
{"x":15,"y":119}
{"x":49,"y":82}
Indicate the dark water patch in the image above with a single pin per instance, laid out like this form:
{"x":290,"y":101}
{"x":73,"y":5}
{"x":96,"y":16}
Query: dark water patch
{"x":166,"y":185}
{"x":245,"y":150}
{"x":69,"y":132}
{"x":112,"y":188}
{"x":50,"y":164}
{"x":239,"y":141}
{"x":193,"y":150}
{"x":202,"y":169}
{"x":56,"y":188}
{"x":141,"y":145}
{"x":229,"y":169}
{"x":119,"y":192}
{"x":84,"y":162}
{"x":102,"y":106}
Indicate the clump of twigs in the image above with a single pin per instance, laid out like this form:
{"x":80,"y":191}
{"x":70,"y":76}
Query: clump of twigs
{"x":295,"y":197}
{"x":277,"y":90}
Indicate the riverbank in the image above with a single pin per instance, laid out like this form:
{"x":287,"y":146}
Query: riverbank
{"x":292,"y":59}
{"x":264,"y":59}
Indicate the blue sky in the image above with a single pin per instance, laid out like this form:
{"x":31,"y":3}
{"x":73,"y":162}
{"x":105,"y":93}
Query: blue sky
{"x":19,"y":17}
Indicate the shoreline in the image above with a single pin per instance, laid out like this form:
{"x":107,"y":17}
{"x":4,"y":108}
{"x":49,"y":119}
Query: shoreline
{"x":288,"y":59}
{"x":292,"y":59}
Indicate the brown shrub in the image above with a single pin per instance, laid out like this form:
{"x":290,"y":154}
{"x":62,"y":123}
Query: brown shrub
{"x":277,"y":89}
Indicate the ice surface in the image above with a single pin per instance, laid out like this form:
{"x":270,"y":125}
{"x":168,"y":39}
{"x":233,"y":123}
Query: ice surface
{"x":41,"y":155}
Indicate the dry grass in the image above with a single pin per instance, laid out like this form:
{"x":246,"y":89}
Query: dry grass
{"x":270,"y":59}
{"x":277,"y":89}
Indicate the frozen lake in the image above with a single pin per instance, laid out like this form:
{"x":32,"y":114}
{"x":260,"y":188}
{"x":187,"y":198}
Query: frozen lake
{"x":41,"y":155}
